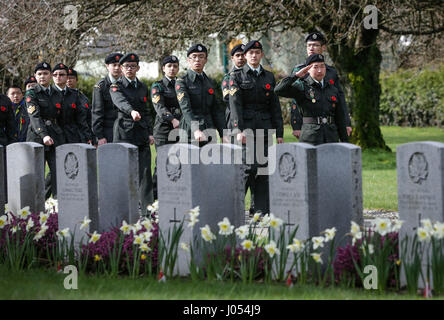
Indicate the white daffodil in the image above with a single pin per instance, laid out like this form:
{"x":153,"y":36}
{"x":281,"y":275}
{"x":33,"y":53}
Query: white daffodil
{"x":355,"y":228}
{"x":271,"y":249}
{"x":382,"y":226}
{"x":256,"y":217}
{"x":43,"y":217}
{"x":275,"y":222}
{"x":95,"y":237}
{"x":85,"y":223}
{"x":6,"y":207}
{"x":317,"y":257}
{"x":298,"y":245}
{"x":41,"y":233}
{"x":317,"y":242}
{"x":147,"y":235}
{"x":242,"y":231}
{"x":148,"y":224}
{"x":292,"y":247}
{"x":137,"y":227}
{"x":3,"y":221}
{"x":144,"y":247}
{"x":192,"y":221}
{"x":30,"y":224}
{"x":62,"y":234}
{"x":51,"y":205}
{"x":206,"y":233}
{"x":24,"y":212}
{"x":154,"y":207}
{"x":139,"y":239}
{"x":265,"y":221}
{"x":14,"y":229}
{"x":247,"y":245}
{"x":423,"y":234}
{"x":225,"y":227}
{"x":396,"y":225}
{"x":438,"y":229}
{"x":125,"y":228}
{"x":184,"y":246}
{"x":427,"y":224}
{"x":330,"y":234}
{"x":194,"y":212}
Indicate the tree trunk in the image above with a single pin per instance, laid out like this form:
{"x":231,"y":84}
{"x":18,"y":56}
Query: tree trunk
{"x":360,"y":66}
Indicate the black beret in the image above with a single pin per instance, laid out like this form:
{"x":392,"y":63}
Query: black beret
{"x":254,"y":44}
{"x":239,"y":47}
{"x":197,"y":48}
{"x":42,"y":66}
{"x":113,"y":58}
{"x":169,"y":59}
{"x":314,"y":58}
{"x":315,"y":36}
{"x":72,"y":72}
{"x":129,"y":57}
{"x":60,"y":66}
{"x":30,"y":79}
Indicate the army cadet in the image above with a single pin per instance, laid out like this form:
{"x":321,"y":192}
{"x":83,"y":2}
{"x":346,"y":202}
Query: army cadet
{"x":316,"y":44}
{"x":197,"y":99}
{"x":322,"y":110}
{"x":30,"y":83}
{"x":134,"y":122}
{"x":238,"y":60}
{"x":44,"y":106}
{"x":104,"y":113}
{"x":15,"y":94}
{"x":254,"y":105}
{"x":84,"y":102}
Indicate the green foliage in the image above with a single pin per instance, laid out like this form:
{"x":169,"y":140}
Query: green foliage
{"x":413,"y":98}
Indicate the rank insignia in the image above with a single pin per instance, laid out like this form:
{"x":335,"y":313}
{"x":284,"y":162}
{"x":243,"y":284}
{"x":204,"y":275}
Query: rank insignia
{"x":233,"y":91}
{"x":180,"y":96}
{"x":31,"y":109}
{"x":225,"y":92}
{"x":156,"y":98}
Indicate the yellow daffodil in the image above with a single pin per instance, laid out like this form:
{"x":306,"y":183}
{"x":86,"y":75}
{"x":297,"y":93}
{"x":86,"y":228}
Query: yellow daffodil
{"x":206,"y":233}
{"x":194,"y":212}
{"x":143,"y":256}
{"x":242,"y":231}
{"x":138,"y":239}
{"x":125,"y":228}
{"x":296,"y":247}
{"x":85,"y":223}
{"x":256,"y":217}
{"x":24,"y":212}
{"x":144,"y":247}
{"x":318,"y":242}
{"x":95,"y":237}
{"x":271,"y":249}
{"x":148,"y":224}
{"x":41,"y":233}
{"x":427,"y":224}
{"x":317,"y":257}
{"x":97,"y":258}
{"x":265,"y":221}
{"x":396,"y":225}
{"x":14,"y":229}
{"x":225,"y":227}
{"x":247,"y":245}
{"x":147,"y":235}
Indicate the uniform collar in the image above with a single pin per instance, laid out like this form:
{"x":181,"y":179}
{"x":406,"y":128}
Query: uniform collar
{"x":127,"y":81}
{"x":166,"y":81}
{"x":111,"y":78}
{"x":60,"y":89}
{"x":192,"y":74}
{"x":258,"y":69}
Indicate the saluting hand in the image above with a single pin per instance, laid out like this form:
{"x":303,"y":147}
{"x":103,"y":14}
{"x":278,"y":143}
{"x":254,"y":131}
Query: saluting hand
{"x":136,"y":115}
{"x":301,"y":73}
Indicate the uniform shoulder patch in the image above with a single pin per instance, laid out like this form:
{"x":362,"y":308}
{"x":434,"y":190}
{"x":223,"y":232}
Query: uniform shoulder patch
{"x":31,"y":109}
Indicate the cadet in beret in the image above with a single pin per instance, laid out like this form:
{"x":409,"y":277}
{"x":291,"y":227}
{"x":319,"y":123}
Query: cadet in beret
{"x":84,"y":102}
{"x":134,"y":121}
{"x":44,"y":106}
{"x":30,"y":83}
{"x":316,"y":44}
{"x":104,"y":113}
{"x":322,"y":110}
{"x":15,"y":94}
{"x":168,"y":114}
{"x":197,"y":100}
{"x":254,"y":105}
{"x":238,"y":60}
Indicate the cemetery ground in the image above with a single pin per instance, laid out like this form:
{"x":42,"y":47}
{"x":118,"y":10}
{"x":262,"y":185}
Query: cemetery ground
{"x":380,"y":193}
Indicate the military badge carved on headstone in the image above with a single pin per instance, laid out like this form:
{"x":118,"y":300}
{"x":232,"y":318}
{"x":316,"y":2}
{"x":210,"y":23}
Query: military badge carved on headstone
{"x":173,"y":167}
{"x":287,"y":167}
{"x":418,"y":168}
{"x":71,"y":166}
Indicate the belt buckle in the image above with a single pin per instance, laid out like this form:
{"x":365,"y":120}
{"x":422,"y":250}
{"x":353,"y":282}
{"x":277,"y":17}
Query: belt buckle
{"x":48,"y":122}
{"x":324,"y":120}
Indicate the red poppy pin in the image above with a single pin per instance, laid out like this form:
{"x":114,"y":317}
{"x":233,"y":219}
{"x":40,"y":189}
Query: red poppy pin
{"x":267,"y":86}
{"x":23,"y":121}
{"x":177,"y":87}
{"x":86,"y":105}
{"x":331,"y":81}
{"x":144,"y":99}
{"x":58,"y":106}
{"x":211,"y":91}
{"x":3,"y":108}
{"x":333,"y":98}
{"x":28,"y":99}
{"x":73,"y":105}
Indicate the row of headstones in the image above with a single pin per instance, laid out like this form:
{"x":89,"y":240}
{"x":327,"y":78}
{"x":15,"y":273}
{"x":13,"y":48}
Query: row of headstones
{"x":107,"y":201}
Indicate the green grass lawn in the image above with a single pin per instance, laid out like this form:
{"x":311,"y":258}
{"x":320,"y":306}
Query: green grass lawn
{"x":47,"y":284}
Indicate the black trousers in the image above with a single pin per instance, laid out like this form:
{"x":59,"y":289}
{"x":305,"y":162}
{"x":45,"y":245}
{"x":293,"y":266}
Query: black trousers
{"x":51,"y":177}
